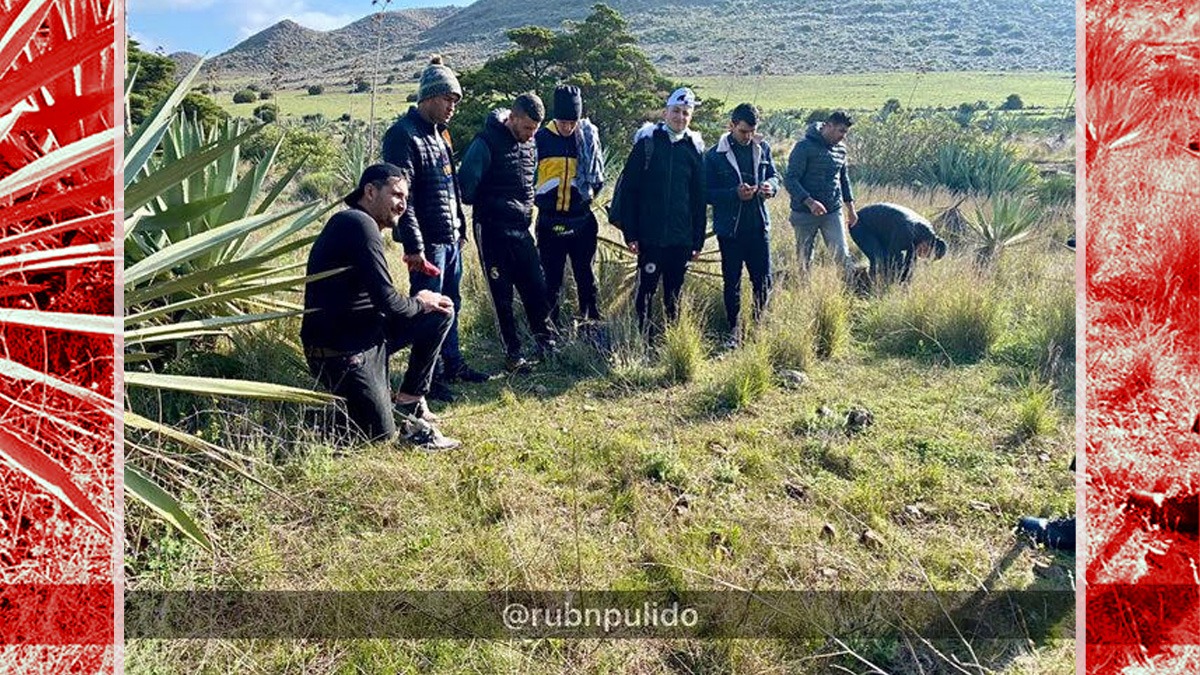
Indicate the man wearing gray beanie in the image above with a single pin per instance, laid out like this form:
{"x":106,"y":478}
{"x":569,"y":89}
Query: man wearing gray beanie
{"x":433,"y":230}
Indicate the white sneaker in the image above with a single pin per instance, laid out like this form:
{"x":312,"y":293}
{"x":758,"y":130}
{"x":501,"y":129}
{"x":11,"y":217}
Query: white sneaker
{"x":422,"y":411}
{"x":425,"y":436}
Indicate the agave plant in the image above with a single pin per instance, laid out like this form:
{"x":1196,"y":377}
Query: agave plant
{"x":56,"y":274}
{"x":203,"y":238}
{"x":1006,"y":222}
{"x":1116,"y":117}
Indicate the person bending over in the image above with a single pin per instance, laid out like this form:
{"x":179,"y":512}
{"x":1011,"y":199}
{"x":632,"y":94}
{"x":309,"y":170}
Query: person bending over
{"x":892,"y":237}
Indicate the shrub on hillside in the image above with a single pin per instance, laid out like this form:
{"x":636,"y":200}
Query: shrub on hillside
{"x":264,"y":95}
{"x":315,"y":89}
{"x":197,"y":105}
{"x":319,"y":186}
{"x":1013,"y":102}
{"x":267,"y":112}
{"x":245,"y":96}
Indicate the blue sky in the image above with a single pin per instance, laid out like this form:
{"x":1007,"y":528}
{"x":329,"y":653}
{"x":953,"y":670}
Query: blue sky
{"x":213,"y":26}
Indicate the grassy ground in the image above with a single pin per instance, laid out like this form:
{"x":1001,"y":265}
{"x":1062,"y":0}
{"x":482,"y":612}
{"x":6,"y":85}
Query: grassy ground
{"x":865,"y":91}
{"x":389,"y":103}
{"x":675,"y":467}
{"x":1143,"y":331}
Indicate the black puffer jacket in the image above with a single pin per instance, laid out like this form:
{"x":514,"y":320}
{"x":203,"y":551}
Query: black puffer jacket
{"x":498,"y":176}
{"x":435,"y":202}
{"x":817,"y":169}
{"x":664,"y":200}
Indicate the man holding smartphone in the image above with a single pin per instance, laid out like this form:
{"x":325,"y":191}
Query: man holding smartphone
{"x":740,"y":177}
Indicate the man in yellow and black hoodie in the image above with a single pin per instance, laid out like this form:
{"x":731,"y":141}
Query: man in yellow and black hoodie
{"x":570,"y":174}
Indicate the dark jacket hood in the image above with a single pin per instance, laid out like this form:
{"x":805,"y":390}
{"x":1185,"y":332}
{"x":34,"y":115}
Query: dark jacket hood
{"x":496,"y":120}
{"x":814,"y":133}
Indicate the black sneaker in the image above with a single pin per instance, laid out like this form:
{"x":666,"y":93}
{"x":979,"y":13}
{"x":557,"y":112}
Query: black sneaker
{"x":1058,"y":534}
{"x":440,"y":391}
{"x":465,"y":373}
{"x":517,"y":364}
{"x":425,"y":436}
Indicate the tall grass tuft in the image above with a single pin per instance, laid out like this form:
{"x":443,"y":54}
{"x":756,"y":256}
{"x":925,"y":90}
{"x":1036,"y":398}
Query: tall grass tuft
{"x":938,"y":315}
{"x":831,"y":316}
{"x":1035,"y":412}
{"x":788,"y":331}
{"x":683,"y":345}
{"x":745,"y":378}
{"x":1056,"y":323}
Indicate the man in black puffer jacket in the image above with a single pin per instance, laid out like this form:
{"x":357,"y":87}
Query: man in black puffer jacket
{"x":498,"y":181}
{"x":434,"y":230}
{"x":663,"y":208}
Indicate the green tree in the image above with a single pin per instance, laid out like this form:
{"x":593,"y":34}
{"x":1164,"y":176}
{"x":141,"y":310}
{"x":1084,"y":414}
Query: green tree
{"x":1013,"y":102}
{"x":267,"y":112}
{"x":621,"y":87}
{"x":197,"y":105}
{"x":153,"y":78}
{"x":245,"y":96}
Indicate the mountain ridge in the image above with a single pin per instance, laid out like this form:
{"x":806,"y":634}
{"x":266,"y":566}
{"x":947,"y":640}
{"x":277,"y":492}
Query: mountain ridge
{"x":688,"y":37}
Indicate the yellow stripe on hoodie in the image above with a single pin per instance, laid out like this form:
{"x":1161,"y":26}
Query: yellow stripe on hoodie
{"x":561,"y":169}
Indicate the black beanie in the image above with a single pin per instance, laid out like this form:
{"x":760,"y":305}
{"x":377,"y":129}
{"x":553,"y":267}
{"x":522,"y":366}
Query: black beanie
{"x":568,"y":102}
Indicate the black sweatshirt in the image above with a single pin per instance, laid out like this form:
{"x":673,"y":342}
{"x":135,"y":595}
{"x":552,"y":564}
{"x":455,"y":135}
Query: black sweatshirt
{"x":898,"y":230}
{"x":351,"y":306}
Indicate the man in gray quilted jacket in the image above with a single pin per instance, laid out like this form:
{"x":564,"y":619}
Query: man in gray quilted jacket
{"x":820,"y":192}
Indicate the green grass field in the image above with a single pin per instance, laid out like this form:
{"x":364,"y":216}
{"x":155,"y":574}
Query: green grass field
{"x":867,"y":91}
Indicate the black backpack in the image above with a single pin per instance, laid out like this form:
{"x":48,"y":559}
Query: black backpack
{"x":615,"y":209}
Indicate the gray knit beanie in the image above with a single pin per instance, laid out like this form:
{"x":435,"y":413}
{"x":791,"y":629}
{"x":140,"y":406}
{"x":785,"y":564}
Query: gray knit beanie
{"x":437,"y":80}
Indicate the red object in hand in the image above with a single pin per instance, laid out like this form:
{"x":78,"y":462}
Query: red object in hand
{"x":425,"y":267}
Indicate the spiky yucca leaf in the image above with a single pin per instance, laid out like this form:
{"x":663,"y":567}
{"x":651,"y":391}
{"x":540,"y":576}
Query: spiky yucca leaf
{"x":1007,"y":221}
{"x":203,"y":238}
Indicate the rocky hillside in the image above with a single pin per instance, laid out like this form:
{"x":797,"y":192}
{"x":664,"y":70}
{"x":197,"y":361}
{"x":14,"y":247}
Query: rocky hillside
{"x":695,"y":37}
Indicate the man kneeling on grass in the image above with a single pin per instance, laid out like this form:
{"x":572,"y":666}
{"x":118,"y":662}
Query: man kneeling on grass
{"x":892,"y":237}
{"x":355,"y":319}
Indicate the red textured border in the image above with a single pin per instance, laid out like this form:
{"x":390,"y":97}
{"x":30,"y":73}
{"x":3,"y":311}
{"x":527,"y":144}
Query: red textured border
{"x":58,"y":589}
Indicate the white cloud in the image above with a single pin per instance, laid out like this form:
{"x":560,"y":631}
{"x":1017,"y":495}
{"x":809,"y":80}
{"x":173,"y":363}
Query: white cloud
{"x":270,"y":12}
{"x":149,"y":43}
{"x":323,"y":21}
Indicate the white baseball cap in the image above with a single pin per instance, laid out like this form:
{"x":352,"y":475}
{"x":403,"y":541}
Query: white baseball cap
{"x":683,"y":96}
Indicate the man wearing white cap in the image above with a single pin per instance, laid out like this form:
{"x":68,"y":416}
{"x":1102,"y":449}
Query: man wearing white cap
{"x":662,"y":203}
